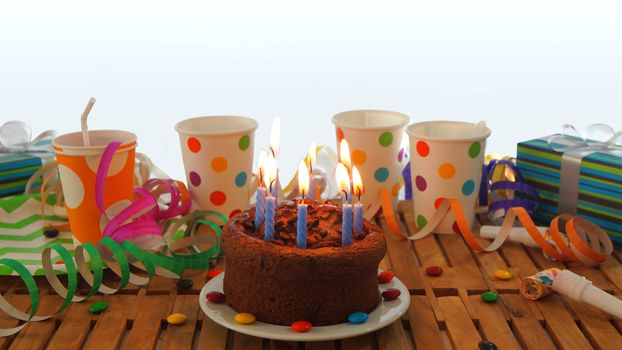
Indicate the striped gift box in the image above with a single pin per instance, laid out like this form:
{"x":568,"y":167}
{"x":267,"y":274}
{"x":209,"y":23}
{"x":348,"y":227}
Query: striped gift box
{"x":600,"y":185}
{"x":17,"y":168}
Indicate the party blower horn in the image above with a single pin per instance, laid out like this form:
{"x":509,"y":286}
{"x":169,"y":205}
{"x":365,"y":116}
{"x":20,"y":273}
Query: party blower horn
{"x":573,"y":286}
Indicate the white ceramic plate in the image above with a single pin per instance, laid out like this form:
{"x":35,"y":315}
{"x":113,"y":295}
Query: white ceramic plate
{"x":383,"y":315}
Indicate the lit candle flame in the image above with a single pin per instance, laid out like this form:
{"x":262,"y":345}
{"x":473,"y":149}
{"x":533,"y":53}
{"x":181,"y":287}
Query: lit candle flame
{"x":357,"y":182}
{"x":311,"y":156}
{"x":343,"y":178}
{"x":303,"y":178}
{"x":275,"y":137}
{"x":261,"y":164}
{"x":344,"y":154}
{"x":269,"y":171}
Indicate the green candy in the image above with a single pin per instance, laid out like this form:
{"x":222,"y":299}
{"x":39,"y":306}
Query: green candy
{"x":490,"y":297}
{"x":98,"y":307}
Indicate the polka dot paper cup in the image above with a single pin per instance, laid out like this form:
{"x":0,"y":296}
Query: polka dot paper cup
{"x":218,"y":160}
{"x":446,"y":162}
{"x":77,"y":166}
{"x":375,"y":139}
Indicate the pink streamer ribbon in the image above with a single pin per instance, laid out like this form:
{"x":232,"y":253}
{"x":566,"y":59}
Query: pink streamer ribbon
{"x":144,"y":215}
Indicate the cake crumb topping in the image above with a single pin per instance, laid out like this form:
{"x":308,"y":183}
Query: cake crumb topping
{"x":323,"y":224}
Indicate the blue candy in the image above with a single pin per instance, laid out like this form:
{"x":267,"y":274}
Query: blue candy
{"x":358,"y":317}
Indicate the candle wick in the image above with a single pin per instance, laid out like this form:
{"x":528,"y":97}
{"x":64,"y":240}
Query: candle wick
{"x":346,"y":195}
{"x":260,"y":178}
{"x":272,"y":151}
{"x":271,"y":183}
{"x":303,"y":195}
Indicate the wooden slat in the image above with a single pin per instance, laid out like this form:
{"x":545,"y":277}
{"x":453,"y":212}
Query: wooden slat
{"x":19,"y":301}
{"x":392,"y":337}
{"x":492,"y":262}
{"x":363,"y":342}
{"x":283,"y":345}
{"x":145,"y":330}
{"x":213,"y":336}
{"x":596,"y":326}
{"x":466,"y":269}
{"x":246,"y":342}
{"x":74,"y":328}
{"x":560,"y":324}
{"x":402,"y":259}
{"x":181,"y":336}
{"x":462,"y":332}
{"x":519,"y":260}
{"x":112,"y":323}
{"x":321,"y":345}
{"x":493,"y":324}
{"x":613,"y":270}
{"x":525,"y":322}
{"x":37,"y":334}
{"x":423,"y":325}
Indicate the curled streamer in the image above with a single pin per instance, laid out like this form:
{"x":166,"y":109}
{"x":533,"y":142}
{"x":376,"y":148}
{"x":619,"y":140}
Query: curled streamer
{"x":90,"y":260}
{"x":583,"y":241}
{"x":503,"y":187}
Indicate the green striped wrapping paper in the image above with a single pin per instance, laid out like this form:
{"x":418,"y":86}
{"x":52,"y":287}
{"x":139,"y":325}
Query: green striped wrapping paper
{"x":600,"y":185}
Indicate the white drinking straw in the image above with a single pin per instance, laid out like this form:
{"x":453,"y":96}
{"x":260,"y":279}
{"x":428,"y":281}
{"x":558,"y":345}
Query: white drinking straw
{"x":83,"y":124}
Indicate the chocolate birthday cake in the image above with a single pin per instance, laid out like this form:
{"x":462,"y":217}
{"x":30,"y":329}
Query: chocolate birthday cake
{"x":322,"y":284}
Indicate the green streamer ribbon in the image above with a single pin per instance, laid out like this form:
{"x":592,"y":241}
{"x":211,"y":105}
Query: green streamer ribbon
{"x":90,"y":260}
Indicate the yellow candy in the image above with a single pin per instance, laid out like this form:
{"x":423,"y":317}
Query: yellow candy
{"x":244,"y":318}
{"x":503,"y":275}
{"x":176,"y":319}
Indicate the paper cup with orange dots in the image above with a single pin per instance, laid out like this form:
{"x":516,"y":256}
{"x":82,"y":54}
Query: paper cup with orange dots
{"x":375,"y":142}
{"x":218,"y":160}
{"x":77,"y":166}
{"x":446,"y":162}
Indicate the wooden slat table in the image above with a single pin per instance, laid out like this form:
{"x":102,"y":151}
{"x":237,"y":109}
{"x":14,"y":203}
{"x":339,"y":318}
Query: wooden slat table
{"x":445,"y":312}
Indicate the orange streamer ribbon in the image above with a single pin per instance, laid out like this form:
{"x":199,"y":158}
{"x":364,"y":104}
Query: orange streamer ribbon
{"x":586,"y":242}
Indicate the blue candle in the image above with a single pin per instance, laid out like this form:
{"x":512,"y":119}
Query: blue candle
{"x":311,"y":194}
{"x":260,"y":207}
{"x":301,"y":228}
{"x":358,"y":218}
{"x":346,"y":225}
{"x":269,"y":227}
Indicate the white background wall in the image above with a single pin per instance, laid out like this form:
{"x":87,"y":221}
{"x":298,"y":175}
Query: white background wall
{"x":525,"y":67}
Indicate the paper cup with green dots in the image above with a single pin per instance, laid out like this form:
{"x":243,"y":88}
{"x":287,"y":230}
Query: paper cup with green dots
{"x":375,"y":141}
{"x":446,"y":162}
{"x":218,"y":160}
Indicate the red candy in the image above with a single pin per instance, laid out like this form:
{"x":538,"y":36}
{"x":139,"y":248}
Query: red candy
{"x":213,"y":273}
{"x":391,"y":294}
{"x":301,"y":326}
{"x":434,"y":271}
{"x":215,"y":297}
{"x":385,"y":277}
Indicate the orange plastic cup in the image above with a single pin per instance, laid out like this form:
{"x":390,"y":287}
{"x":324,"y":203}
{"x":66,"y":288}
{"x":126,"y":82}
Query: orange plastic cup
{"x":77,"y":165}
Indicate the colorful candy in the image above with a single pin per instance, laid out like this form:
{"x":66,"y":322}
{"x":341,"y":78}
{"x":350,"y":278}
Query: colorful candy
{"x":433,"y":271}
{"x":486,"y":345}
{"x":50,"y":233}
{"x":98,"y":307}
{"x":503,"y":275}
{"x":176,"y":318}
{"x":490,"y":297}
{"x":301,"y":326}
{"x":358,"y":317}
{"x":215,"y":297}
{"x":183,"y":284}
{"x":244,"y":318}
{"x":385,"y":277}
{"x":391,"y":294}
{"x":213,"y":273}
